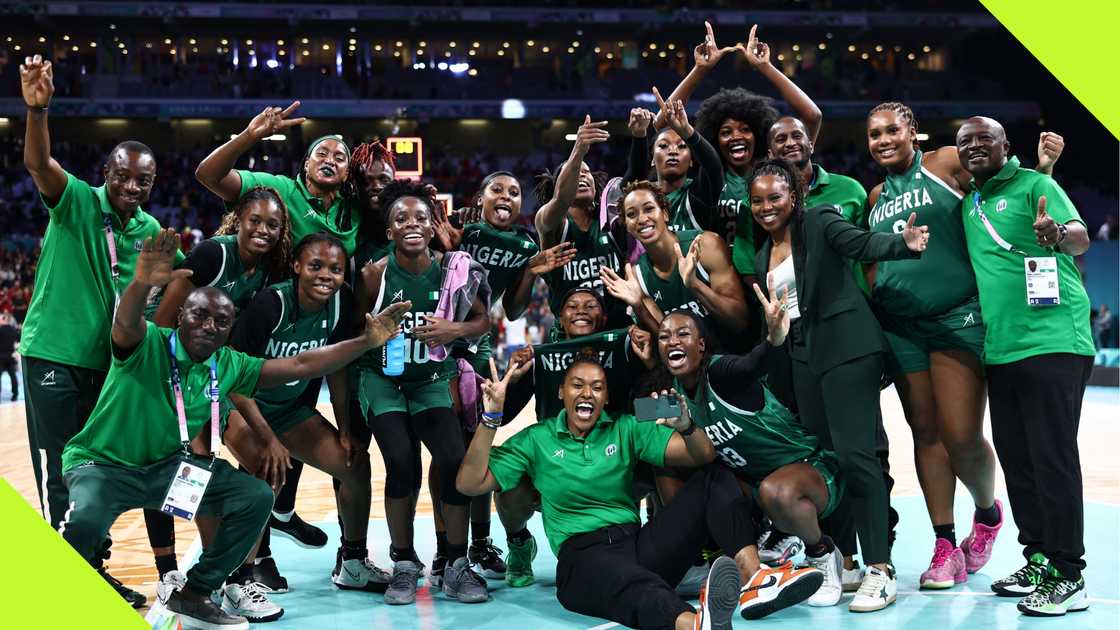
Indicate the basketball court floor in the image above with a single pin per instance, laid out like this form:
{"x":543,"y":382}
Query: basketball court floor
{"x":315,"y":603}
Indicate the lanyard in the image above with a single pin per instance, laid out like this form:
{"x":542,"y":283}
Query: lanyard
{"x":180,"y":406}
{"x":114,"y":268}
{"x":999,"y":240}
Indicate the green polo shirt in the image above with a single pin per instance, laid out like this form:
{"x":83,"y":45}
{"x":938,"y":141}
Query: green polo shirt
{"x":71,"y":308}
{"x":847,"y":194}
{"x":134,"y":422}
{"x":585,"y":483}
{"x":306,"y":210}
{"x":1015,"y":330}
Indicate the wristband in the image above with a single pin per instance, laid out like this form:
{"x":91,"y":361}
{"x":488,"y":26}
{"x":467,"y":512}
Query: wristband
{"x":491,"y":420}
{"x":38,"y":110}
{"x":689,"y":431}
{"x":1063,"y":231}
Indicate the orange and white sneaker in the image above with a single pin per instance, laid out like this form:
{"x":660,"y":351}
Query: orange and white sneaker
{"x":772,"y":589}
{"x":717,"y":596}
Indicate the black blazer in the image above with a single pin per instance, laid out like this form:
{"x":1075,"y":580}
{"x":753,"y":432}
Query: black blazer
{"x":836,"y":321}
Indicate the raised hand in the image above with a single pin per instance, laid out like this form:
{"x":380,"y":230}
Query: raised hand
{"x":756,"y":52}
{"x":156,"y":262}
{"x":675,"y":115}
{"x":687,"y":265}
{"x":494,"y":389}
{"x":1046,"y":229}
{"x":707,"y":54}
{"x":520,"y":363}
{"x":681,"y":422}
{"x":444,"y":231}
{"x":385,"y":325}
{"x":776,"y":312}
{"x":273,"y":120}
{"x":640,"y":120}
{"x":590,"y":133}
{"x":641,"y":343}
{"x":552,"y":258}
{"x":916,"y":237}
{"x":626,"y":289}
{"x":1050,"y":146}
{"x":36,"y":79}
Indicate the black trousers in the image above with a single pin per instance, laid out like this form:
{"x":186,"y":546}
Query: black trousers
{"x":627,"y":574}
{"x":1035,"y":405}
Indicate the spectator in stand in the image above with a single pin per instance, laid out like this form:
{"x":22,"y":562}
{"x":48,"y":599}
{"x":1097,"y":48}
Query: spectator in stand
{"x":9,"y":337}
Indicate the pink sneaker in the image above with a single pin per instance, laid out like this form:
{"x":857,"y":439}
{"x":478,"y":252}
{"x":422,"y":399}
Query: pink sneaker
{"x":946,"y":568}
{"x":977,"y":547}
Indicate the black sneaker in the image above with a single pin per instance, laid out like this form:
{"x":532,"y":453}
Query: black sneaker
{"x":439,"y":566}
{"x":488,"y":558}
{"x":1023,"y":582}
{"x":204,"y":613}
{"x":303,"y":533}
{"x":268,"y":577}
{"x":134,"y":599}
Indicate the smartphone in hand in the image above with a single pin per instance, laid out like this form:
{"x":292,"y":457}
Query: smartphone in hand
{"x":649,"y":408}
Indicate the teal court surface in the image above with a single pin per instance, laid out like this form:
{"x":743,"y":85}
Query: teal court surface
{"x":314,"y":603}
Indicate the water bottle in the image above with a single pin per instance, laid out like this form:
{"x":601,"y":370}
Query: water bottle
{"x":394,"y":356}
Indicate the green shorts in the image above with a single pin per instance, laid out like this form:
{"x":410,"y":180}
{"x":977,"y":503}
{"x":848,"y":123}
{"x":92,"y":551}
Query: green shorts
{"x":479,"y":359}
{"x":380,"y":394}
{"x":829,"y":468}
{"x":912,"y":340}
{"x":280,"y":418}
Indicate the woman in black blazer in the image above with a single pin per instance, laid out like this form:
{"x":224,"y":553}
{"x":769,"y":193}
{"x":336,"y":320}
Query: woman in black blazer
{"x":835,"y":343}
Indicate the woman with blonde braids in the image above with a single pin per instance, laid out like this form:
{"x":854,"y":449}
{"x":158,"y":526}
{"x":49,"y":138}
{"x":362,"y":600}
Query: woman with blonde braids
{"x":249,"y":251}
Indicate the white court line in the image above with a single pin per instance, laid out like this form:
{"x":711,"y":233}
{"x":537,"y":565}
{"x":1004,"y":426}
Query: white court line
{"x":1093,"y":600}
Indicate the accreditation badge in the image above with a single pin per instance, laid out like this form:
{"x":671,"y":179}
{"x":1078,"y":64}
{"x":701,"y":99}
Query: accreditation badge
{"x":186,"y":490}
{"x":1042,"y":281}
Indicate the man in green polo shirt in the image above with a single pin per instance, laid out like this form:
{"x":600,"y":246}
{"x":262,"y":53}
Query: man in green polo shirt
{"x":65,"y":344}
{"x":319,"y":199}
{"x":161,"y":393}
{"x":1022,"y":233}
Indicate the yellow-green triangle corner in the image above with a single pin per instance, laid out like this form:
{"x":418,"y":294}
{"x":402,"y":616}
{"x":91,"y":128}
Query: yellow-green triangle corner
{"x":1075,"y":41}
{"x":44,"y":583}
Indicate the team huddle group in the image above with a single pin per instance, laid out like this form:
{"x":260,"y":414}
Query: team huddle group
{"x":727,"y":312}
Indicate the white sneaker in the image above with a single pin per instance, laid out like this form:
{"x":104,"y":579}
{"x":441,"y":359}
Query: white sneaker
{"x":878,"y":590}
{"x":170,"y":582}
{"x":690,"y":584}
{"x":361,"y":575}
{"x":249,"y":601}
{"x":776,"y":552}
{"x":831,"y":565}
{"x":851,"y":578}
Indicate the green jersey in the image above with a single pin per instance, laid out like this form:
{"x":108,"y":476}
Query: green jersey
{"x":681,"y":215}
{"x":737,"y":197}
{"x":847,"y":194}
{"x":216,"y":262}
{"x":585,"y":483}
{"x":1016,"y":330}
{"x":752,"y":443}
{"x":942,"y":278}
{"x":71,"y":310}
{"x":422,"y":289}
{"x":368,"y":251}
{"x":306,"y":212}
{"x":670,"y":293}
{"x":134,"y":422}
{"x":551,"y":359}
{"x":503,"y":253}
{"x":275,"y":327}
{"x":595,"y":249}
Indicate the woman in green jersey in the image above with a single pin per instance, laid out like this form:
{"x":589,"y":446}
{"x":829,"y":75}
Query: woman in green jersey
{"x":667,"y":279}
{"x":320,"y":198}
{"x":930,"y":312}
{"x":251,"y":247}
{"x":755,"y":435}
{"x":835,"y":343}
{"x":417,"y":402}
{"x":569,"y":213}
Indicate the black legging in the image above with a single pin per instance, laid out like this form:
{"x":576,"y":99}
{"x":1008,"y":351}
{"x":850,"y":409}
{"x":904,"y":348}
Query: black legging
{"x":398,"y":436}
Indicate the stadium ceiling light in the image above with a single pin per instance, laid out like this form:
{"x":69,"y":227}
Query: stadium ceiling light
{"x":653,"y":46}
{"x":672,"y":46}
{"x":922,"y":137}
{"x":621,"y":44}
{"x":352,"y":41}
{"x":796,"y":47}
{"x":277,"y":137}
{"x":530,"y":43}
{"x":42,"y":39}
{"x":598,"y":50}
{"x":822,"y":46}
{"x":571,"y":50}
{"x":74,"y":48}
{"x":898,"y":49}
{"x":167,"y":41}
{"x":17,"y":47}
{"x":125,"y":51}
{"x":193,"y":41}
{"x":279,"y":42}
{"x":272,"y":63}
{"x":471,"y":52}
{"x":851,"y":47}
{"x":447,"y":54}
{"x":459,"y":68}
{"x":377,"y":47}
{"x":925,"y":49}
{"x":477,"y":44}
{"x":281,"y":52}
{"x":610,"y":55}
{"x":451,"y":44}
{"x":864,"y":56}
{"x":662,"y":54}
{"x":505,"y":44}
{"x":501,"y":53}
{"x":781,"y":57}
{"x":303,"y":40}
{"x":396,"y":53}
{"x":4,"y":121}
{"x":571,"y":137}
{"x":545,"y":49}
{"x":148,"y":45}
{"x":351,"y":48}
{"x":120,"y":44}
{"x":248,"y":42}
{"x":420,"y":52}
{"x":878,"y":48}
{"x":326,"y":46}
{"x":911,"y":56}
{"x":512,"y":108}
{"x":398,"y":43}
{"x":225,"y":42}
{"x":306,"y":53}
{"x":473,"y":72}
{"x":112,"y":27}
{"x":575,"y":44}
{"x":423,"y":44}
{"x":65,"y":38}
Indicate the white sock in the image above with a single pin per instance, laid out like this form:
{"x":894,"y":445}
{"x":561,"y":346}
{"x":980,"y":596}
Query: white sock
{"x":283,"y":517}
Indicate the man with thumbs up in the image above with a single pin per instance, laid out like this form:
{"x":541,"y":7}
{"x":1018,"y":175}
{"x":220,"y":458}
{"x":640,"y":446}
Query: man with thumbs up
{"x":1023,"y":232}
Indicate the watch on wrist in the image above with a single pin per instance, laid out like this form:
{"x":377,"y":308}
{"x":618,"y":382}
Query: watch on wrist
{"x":691,"y":428}
{"x":1063,"y":231}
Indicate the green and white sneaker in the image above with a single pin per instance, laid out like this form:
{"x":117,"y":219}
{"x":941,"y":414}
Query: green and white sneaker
{"x":519,"y":563}
{"x":1056,"y":596}
{"x":1023,"y":582}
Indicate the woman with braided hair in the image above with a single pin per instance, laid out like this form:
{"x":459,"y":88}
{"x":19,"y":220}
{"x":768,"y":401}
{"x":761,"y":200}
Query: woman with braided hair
{"x":374,"y":168}
{"x":929,"y":309}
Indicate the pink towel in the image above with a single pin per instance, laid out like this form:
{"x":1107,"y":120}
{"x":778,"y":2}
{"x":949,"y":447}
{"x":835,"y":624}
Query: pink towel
{"x":456,"y":272}
{"x":470,"y":391}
